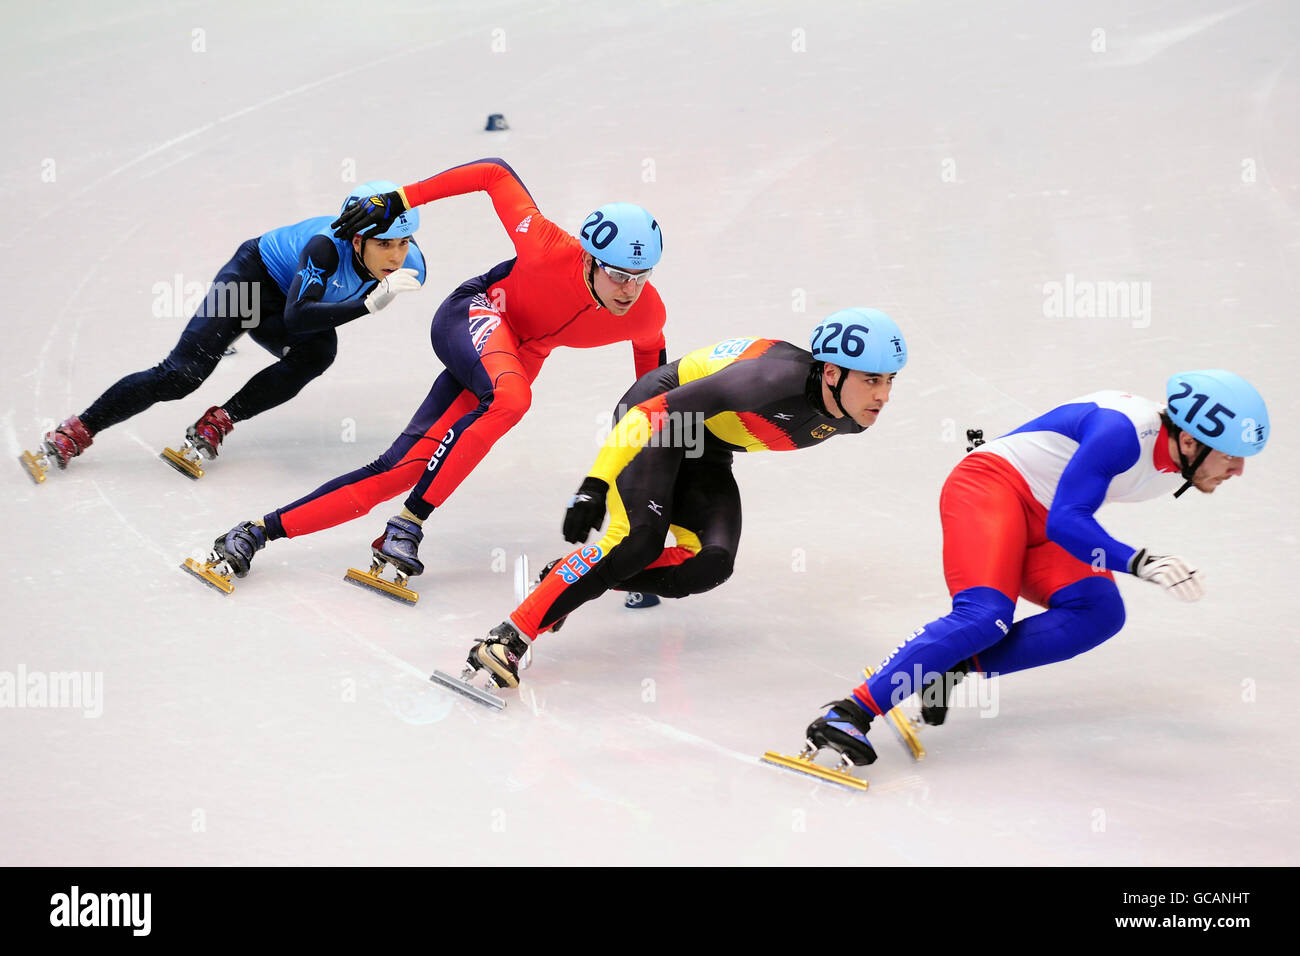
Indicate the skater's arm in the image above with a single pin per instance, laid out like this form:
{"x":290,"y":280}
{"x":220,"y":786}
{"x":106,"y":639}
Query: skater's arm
{"x":649,"y":359}
{"x":304,"y":311}
{"x":1108,"y":446}
{"x":527,"y":228}
{"x":650,"y":350}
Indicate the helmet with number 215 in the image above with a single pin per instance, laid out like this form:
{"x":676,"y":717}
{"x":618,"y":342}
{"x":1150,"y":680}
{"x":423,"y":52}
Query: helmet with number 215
{"x":1218,"y":409}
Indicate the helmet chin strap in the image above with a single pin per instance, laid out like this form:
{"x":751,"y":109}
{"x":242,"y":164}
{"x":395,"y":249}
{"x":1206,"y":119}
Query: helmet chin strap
{"x":360,"y":261}
{"x":1188,"y":469}
{"x":835,"y":391}
{"x":591,"y":284}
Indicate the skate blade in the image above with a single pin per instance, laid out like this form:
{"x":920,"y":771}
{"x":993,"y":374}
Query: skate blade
{"x":476,"y":694}
{"x":208,"y":576}
{"x":33,"y":466}
{"x":903,"y":728}
{"x":805,"y":765}
{"x":389,"y":589}
{"x":189,"y":467}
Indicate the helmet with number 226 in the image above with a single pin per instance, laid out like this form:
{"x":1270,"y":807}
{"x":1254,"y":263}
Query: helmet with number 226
{"x":866,"y":340}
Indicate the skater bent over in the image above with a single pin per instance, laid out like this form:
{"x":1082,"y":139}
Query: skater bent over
{"x":1018,"y":520}
{"x":750,"y":395}
{"x":289,"y":288}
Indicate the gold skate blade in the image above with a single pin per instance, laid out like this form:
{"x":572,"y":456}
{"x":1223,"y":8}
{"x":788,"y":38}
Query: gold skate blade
{"x":33,"y":466}
{"x":391,"y":589}
{"x":806,"y":766}
{"x":186,"y":466}
{"x":903,"y":728}
{"x":476,"y":694}
{"x":208,"y":577}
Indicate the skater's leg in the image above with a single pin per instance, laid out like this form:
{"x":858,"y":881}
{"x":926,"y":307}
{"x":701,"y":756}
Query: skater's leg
{"x":396,"y":470}
{"x":1084,"y":609}
{"x":482,"y":351}
{"x":206,"y":337}
{"x":706,"y":525}
{"x":302,"y":359}
{"x":986,"y":526}
{"x":634,"y":538}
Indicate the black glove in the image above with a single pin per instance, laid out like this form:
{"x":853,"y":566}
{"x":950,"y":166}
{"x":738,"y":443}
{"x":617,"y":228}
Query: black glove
{"x":586,"y":510}
{"x":363,"y":214}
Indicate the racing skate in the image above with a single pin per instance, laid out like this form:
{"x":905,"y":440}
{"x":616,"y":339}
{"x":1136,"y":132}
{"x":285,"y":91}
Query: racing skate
{"x":397,"y":546}
{"x":849,"y":739}
{"x":202,"y":440}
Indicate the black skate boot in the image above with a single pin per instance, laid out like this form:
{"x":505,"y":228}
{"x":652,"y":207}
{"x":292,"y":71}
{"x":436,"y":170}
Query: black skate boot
{"x":844,"y":729}
{"x":504,"y":653}
{"x":238,"y":545}
{"x":399,"y":546}
{"x":935,"y":695}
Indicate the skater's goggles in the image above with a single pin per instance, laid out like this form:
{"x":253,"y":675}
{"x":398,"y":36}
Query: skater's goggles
{"x":619,"y":277}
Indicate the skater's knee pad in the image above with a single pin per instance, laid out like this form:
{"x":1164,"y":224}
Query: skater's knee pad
{"x":631,"y":555}
{"x":706,"y":570}
{"x":980,"y":617}
{"x":1096,"y":604}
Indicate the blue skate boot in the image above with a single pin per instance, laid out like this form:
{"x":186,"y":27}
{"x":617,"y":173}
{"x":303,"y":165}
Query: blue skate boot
{"x":238,"y":545}
{"x":399,"y":544}
{"x":640,"y":599}
{"x":844,"y":729}
{"x":231,"y":556}
{"x":396,"y":546}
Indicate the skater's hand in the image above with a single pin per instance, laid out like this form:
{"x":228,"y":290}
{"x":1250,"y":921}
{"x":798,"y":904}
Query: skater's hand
{"x":586,"y":510}
{"x":381,"y":209}
{"x":393,"y":284}
{"x":1172,"y":573}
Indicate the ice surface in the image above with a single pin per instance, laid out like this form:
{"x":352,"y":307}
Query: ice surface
{"x":941,"y":161}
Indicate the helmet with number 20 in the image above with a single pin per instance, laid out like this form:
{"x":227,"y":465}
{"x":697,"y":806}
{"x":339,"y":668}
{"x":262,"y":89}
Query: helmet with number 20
{"x":1218,"y":409}
{"x":866,"y":340}
{"x":622,"y":235}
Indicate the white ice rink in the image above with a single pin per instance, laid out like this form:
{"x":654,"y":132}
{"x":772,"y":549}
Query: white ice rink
{"x":943,"y":161}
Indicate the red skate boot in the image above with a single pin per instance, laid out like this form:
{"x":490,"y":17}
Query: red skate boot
{"x":58,"y":447}
{"x":207,"y":432}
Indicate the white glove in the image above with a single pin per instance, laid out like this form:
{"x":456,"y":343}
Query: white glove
{"x":401,"y":280}
{"x":1170,"y":572}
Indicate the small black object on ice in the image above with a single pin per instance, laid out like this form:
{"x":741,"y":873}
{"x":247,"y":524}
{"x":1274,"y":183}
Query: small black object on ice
{"x":496,"y":121}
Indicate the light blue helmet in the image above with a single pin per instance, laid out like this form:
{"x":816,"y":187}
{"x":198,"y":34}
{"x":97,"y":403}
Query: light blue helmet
{"x":863,"y":339}
{"x":403,"y":225}
{"x":623,"y":235}
{"x":1218,"y":409}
